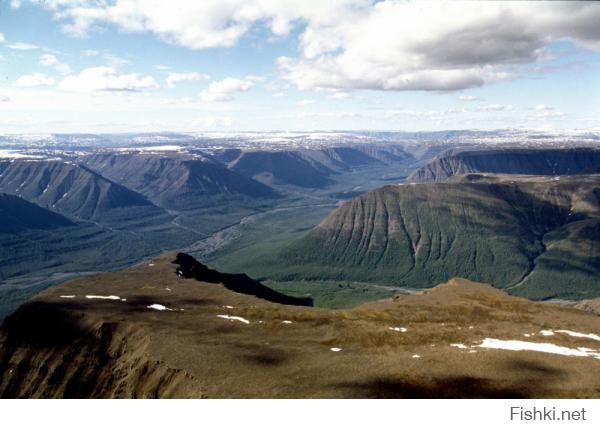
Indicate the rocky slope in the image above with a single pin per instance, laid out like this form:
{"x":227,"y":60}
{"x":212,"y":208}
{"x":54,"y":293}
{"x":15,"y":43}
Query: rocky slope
{"x":145,"y":332}
{"x":553,"y":162}
{"x":537,"y":236}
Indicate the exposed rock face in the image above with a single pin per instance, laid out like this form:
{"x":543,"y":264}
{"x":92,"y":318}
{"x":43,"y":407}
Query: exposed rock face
{"x":539,"y":237}
{"x":554,"y":162}
{"x":145,"y":332}
{"x":175,"y":181}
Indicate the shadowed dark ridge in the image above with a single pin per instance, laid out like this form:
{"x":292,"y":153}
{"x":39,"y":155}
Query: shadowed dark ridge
{"x":240,"y":283}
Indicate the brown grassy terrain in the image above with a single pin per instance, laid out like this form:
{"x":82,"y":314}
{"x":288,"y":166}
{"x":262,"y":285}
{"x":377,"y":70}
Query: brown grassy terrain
{"x":81,"y":347}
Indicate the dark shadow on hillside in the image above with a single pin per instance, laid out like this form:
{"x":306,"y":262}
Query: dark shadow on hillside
{"x":439,"y":388}
{"x":240,"y":283}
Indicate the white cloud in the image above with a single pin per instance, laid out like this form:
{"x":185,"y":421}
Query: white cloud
{"x":495,"y":108}
{"x":468,"y":98}
{"x":20,"y":46}
{"x":115,"y":60}
{"x":161,"y":67}
{"x":543,"y":107}
{"x":2,"y":38}
{"x":4,"y":99}
{"x":49,"y":60}
{"x":223,"y":90}
{"x":15,"y":4}
{"x":173,"y":78}
{"x":548,"y":115}
{"x":106,"y":79}
{"x":362,"y":44}
{"x":340,"y":95}
{"x":305,"y":102}
{"x":90,"y":53}
{"x":34,"y":79}
{"x":213,"y":122}
{"x":199,"y":24}
{"x":436,"y":45}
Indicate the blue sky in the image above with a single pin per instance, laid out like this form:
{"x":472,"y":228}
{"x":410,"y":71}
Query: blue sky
{"x":146,"y":65}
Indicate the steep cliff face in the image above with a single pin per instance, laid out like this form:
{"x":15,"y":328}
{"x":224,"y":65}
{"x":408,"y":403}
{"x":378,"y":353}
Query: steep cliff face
{"x":554,"y":162}
{"x":541,"y":238}
{"x":59,"y":351}
{"x":175,"y":181}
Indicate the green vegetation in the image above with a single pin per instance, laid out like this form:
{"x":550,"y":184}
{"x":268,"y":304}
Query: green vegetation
{"x":332,"y":294}
{"x":537,"y":238}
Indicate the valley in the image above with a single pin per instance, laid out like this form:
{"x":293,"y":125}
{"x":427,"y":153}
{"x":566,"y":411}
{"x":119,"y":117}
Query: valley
{"x":431,"y":254}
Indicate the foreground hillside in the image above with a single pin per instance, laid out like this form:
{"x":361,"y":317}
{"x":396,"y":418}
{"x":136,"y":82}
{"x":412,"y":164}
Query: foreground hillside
{"x":146,"y":332}
{"x":537,"y":236}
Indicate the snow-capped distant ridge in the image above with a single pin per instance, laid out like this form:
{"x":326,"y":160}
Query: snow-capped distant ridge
{"x":212,"y":142}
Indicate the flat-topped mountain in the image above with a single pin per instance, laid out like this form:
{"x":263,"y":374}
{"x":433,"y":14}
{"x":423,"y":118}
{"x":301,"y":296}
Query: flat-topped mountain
{"x":537,"y":236}
{"x":175,"y":181}
{"x":148,"y":333}
{"x":551,"y":162}
{"x":308,"y":168}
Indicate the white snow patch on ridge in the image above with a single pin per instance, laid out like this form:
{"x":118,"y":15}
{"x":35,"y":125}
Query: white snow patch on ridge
{"x":67,"y":296}
{"x":239,"y":319}
{"x":159,"y":307}
{"x":112,"y":297}
{"x":392,"y":328}
{"x":515,"y":345}
{"x":579,"y":334}
{"x":459,"y":346}
{"x":335,"y":349}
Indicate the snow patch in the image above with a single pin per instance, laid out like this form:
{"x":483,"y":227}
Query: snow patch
{"x":397,"y":329}
{"x":547,"y":332}
{"x":416,"y":356}
{"x":579,"y":334}
{"x":159,"y":307}
{"x":287,"y":322}
{"x":111,"y":297}
{"x":515,"y":345}
{"x":459,"y":346}
{"x":335,"y":349}
{"x":67,"y":296}
{"x":239,"y":319}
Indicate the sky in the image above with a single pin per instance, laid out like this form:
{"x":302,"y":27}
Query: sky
{"x":92,"y":66}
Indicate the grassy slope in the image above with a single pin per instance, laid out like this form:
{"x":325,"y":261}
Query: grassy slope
{"x":417,"y":236}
